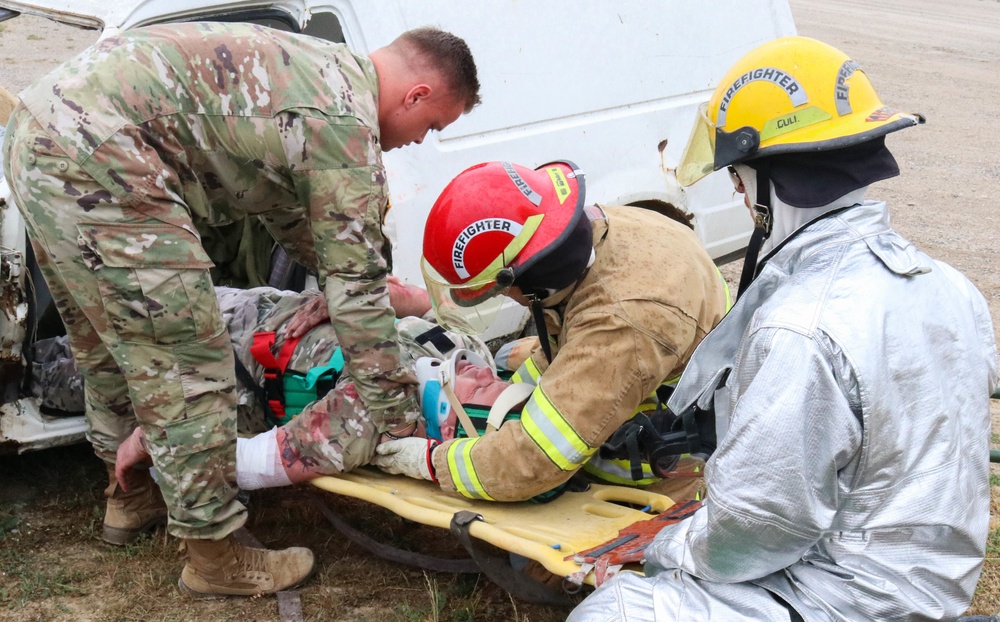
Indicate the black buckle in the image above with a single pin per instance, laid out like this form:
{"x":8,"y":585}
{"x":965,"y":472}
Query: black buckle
{"x":274,"y":385}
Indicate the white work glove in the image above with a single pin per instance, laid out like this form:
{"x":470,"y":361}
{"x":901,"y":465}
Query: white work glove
{"x":407,"y":456}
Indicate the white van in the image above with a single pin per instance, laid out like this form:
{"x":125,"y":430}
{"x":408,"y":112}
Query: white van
{"x":612,"y":86}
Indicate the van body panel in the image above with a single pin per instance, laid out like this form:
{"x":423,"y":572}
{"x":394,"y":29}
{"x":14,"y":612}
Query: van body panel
{"x":613,"y":87}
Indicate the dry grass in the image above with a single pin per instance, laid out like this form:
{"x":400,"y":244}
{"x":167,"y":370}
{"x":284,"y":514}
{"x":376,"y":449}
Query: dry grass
{"x":54,"y":567}
{"x":987,"y":598}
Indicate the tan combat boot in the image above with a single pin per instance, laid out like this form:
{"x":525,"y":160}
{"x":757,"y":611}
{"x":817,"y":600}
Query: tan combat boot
{"x":130,"y":514}
{"x":217,"y":568}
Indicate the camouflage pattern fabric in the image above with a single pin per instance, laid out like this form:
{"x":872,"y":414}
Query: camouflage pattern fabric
{"x":345,"y":437}
{"x":145,"y":138}
{"x":336,"y":433}
{"x":55,"y":380}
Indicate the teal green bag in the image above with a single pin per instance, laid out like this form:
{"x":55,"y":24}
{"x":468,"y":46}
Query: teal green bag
{"x":302,"y":390}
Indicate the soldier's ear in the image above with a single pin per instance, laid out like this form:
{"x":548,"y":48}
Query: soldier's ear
{"x":416,"y":94}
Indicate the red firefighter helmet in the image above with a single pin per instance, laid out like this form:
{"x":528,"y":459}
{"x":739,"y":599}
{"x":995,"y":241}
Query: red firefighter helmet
{"x":493,"y":222}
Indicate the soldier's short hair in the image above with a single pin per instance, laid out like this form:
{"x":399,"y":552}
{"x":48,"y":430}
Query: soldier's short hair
{"x":451,"y":56}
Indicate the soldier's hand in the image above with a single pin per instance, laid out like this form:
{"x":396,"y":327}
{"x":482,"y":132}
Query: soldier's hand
{"x":407,"y":299}
{"x":407,"y":456}
{"x":131,"y":453}
{"x":312,"y":314}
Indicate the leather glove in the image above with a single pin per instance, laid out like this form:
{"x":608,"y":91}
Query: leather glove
{"x":407,"y":456}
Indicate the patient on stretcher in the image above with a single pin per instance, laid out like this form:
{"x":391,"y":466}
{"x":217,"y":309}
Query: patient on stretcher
{"x":333,"y":433}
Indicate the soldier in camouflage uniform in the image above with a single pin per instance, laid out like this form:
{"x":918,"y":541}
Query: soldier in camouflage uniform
{"x":120,"y":156}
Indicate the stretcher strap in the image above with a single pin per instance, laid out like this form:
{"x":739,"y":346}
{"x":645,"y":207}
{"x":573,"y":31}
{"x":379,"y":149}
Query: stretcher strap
{"x":274,"y":368}
{"x":506,"y":401}
{"x":391,"y":553}
{"x":463,"y":417}
{"x":499,"y":570}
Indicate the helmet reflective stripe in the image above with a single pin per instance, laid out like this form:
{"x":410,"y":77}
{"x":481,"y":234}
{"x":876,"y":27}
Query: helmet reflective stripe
{"x":483,"y":225}
{"x":513,"y":248}
{"x":463,"y":474}
{"x":553,"y":434}
{"x":795,"y":91}
{"x":559,"y":182}
{"x":843,"y":98}
{"x":522,"y":185}
{"x":527,"y":372}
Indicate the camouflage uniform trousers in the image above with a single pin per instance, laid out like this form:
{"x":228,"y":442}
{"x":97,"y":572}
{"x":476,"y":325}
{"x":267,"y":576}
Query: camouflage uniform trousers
{"x":143,"y":323}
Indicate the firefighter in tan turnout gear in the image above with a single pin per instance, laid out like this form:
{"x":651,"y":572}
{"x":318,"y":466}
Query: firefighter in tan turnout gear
{"x":626,"y":293}
{"x":121,"y":156}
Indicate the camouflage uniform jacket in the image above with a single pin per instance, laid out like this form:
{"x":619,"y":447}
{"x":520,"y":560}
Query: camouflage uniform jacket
{"x":631,"y":323}
{"x":211,"y":123}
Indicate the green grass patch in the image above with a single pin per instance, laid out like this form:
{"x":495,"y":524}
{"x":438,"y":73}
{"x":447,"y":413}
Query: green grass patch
{"x":993,"y":543}
{"x":27,"y":580}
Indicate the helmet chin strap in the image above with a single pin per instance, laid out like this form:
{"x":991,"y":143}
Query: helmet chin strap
{"x":538,"y":316}
{"x":762,"y":218}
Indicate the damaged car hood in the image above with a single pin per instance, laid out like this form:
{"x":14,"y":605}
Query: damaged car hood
{"x":116,"y":15}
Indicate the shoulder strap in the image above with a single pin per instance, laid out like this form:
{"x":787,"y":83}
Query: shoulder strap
{"x":463,"y":417}
{"x":244,"y":376}
{"x":510,"y":398}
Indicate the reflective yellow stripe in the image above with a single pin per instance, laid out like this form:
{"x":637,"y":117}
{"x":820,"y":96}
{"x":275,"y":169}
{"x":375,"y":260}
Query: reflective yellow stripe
{"x":725,"y":286}
{"x":553,"y":434}
{"x":527,"y":372}
{"x":463,"y":474}
{"x":619,"y":472}
{"x":489,"y":274}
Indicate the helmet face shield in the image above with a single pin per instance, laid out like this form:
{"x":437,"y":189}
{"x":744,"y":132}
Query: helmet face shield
{"x":469,"y":308}
{"x":699,"y":154}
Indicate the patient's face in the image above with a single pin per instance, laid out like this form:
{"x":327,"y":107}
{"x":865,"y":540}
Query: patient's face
{"x":472,"y":385}
{"x":477,"y":385}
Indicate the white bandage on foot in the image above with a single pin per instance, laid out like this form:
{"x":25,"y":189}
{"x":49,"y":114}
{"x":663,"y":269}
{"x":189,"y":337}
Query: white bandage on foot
{"x":258,"y":464}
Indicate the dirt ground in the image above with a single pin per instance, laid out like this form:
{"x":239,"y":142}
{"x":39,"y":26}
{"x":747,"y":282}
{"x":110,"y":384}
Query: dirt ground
{"x":936,"y":58}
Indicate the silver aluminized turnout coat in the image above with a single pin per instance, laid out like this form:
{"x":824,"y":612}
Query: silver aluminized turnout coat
{"x":851,"y":387}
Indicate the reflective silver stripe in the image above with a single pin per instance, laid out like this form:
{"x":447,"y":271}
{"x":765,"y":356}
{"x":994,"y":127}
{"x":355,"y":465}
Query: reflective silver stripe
{"x":463,"y":470}
{"x":556,"y":440}
{"x":609,"y":471}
